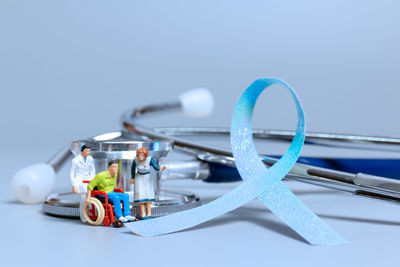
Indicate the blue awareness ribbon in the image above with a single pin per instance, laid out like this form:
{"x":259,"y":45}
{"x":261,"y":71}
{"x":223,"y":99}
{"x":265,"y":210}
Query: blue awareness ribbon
{"x":259,"y":181}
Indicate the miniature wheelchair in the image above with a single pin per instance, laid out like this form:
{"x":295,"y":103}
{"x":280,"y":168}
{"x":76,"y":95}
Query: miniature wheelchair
{"x":99,"y":210}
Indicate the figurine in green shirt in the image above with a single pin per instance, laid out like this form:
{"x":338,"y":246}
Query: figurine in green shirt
{"x":106,"y":181}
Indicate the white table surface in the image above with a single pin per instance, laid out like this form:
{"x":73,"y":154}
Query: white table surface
{"x":249,"y":235}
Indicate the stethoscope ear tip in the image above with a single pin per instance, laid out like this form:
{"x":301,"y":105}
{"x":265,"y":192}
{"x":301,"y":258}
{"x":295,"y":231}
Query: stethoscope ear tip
{"x":197,"y":102}
{"x":32,"y":184}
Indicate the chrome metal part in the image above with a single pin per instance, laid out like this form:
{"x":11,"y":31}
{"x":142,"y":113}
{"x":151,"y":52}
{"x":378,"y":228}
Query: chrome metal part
{"x":184,"y":169}
{"x":58,"y":160}
{"x":167,"y":202}
{"x":380,"y":143}
{"x":377,"y":182}
{"x":122,"y":147}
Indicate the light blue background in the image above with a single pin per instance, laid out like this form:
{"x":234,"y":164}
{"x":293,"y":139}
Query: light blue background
{"x":68,"y":69}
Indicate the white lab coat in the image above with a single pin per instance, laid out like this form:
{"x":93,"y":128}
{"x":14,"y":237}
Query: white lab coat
{"x":80,"y":171}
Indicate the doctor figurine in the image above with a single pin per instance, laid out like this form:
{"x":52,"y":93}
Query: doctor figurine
{"x":82,"y":169}
{"x":144,"y":188}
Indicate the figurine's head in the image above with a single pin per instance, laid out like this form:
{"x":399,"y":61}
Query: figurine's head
{"x":113,"y":167}
{"x":142,"y":154}
{"x":85,"y":151}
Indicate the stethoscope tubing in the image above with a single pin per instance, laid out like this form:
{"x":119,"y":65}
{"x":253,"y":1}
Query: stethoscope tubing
{"x":360,"y":183}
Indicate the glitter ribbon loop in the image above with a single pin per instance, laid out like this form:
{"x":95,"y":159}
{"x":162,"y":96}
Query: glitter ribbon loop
{"x":258,"y":181}
{"x":277,"y":197}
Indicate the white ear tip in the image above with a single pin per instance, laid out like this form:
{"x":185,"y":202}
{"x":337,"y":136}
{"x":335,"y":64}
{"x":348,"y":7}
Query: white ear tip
{"x":30,"y":185}
{"x":197,"y":102}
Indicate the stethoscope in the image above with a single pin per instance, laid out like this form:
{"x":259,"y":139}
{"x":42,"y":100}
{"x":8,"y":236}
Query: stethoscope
{"x":209,"y":163}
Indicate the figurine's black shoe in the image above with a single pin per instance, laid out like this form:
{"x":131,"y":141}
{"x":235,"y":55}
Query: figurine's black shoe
{"x":117,"y":224}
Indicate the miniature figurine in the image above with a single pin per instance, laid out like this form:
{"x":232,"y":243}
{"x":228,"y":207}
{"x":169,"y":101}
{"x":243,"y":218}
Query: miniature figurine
{"x":144,"y":188}
{"x":82,"y":169}
{"x":106,"y":181}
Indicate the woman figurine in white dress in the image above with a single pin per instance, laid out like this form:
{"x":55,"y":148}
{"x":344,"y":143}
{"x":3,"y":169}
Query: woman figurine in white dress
{"x":144,"y":188}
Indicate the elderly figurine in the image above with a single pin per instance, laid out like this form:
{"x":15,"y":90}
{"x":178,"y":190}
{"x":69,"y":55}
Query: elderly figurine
{"x":144,"y":188}
{"x":106,"y":181}
{"x":82,"y":169}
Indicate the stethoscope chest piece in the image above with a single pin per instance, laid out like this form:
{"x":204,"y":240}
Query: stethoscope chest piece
{"x":122,"y":147}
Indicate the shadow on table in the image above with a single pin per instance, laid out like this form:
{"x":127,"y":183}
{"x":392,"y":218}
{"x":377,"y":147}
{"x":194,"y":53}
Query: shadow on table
{"x":239,"y":215}
{"x":264,"y":218}
{"x":247,"y":214}
{"x":13,"y":202}
{"x":362,"y":220}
